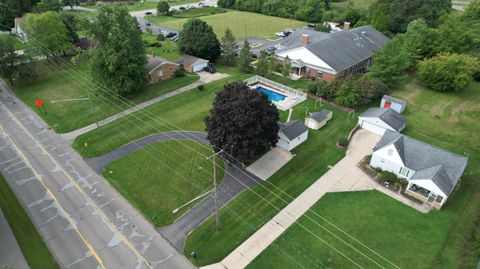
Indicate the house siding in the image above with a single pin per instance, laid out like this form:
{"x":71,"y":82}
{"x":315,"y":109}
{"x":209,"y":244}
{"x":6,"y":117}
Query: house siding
{"x":168,"y":70}
{"x":287,"y":144}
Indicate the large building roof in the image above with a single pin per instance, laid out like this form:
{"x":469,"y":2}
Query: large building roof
{"x":387,"y":115}
{"x":292,"y":129}
{"x":340,"y":50}
{"x":444,"y":168}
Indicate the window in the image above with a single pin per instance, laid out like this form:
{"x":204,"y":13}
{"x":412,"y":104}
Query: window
{"x":382,"y":160}
{"x":390,"y":152}
{"x":160,"y":73}
{"x":307,"y":71}
{"x":319,"y":74}
{"x":404,"y":171}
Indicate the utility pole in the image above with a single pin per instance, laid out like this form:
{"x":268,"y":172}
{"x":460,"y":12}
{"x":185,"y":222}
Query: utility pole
{"x":215,"y":197}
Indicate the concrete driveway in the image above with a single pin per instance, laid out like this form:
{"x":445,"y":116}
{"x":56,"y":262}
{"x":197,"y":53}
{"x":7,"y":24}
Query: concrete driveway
{"x":270,"y":163}
{"x":344,"y":176}
{"x":206,"y":77}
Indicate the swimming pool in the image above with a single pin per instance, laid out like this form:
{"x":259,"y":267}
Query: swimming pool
{"x":273,"y":96}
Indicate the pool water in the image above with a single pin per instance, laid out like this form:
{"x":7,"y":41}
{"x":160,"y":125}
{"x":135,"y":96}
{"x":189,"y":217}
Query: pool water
{"x":273,"y":96}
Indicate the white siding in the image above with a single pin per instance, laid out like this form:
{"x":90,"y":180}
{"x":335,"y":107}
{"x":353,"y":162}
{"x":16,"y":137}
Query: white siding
{"x":395,"y":106}
{"x":287,"y":144}
{"x":375,"y":125}
{"x":429,"y":185}
{"x":199,"y":67}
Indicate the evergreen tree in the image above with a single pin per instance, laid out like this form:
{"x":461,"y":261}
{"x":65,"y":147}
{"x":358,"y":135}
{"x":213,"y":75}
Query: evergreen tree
{"x":198,"y":39}
{"x":263,"y":66}
{"x":390,"y":63}
{"x":244,"y":63}
{"x":286,"y":68}
{"x":229,"y":47}
{"x":7,"y":19}
{"x":163,"y":8}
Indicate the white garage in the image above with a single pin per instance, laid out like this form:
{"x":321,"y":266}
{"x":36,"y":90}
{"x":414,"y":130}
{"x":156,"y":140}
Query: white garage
{"x":291,"y":134}
{"x":378,"y":120}
{"x":192,"y":64}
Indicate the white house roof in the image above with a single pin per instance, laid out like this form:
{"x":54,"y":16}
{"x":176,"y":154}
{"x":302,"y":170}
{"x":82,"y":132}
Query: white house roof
{"x":442,"y":167}
{"x":387,"y":115}
{"x":292,"y":129}
{"x":306,"y":56}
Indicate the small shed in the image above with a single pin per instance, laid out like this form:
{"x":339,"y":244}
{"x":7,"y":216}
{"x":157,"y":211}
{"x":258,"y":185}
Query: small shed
{"x":192,"y":64}
{"x":317,"y":120}
{"x":291,"y":134}
{"x":378,"y":120}
{"x":393,"y":103}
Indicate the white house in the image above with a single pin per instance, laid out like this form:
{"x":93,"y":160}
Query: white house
{"x":378,"y":120}
{"x":291,"y":134}
{"x":431,"y":172}
{"x":393,"y":103}
{"x":317,"y":120}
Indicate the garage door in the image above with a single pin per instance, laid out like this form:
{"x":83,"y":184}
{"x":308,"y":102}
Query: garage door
{"x":199,"y":67}
{"x":373,"y":127}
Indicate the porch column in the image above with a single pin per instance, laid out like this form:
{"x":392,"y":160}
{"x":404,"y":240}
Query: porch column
{"x":409,"y":185}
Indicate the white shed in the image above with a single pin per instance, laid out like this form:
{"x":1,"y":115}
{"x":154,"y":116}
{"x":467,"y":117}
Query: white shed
{"x":378,"y":120}
{"x":291,"y":134}
{"x":317,"y":120}
{"x":393,"y":103}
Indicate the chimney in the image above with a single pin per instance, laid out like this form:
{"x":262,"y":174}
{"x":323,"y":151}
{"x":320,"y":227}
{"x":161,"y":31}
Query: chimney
{"x":305,"y":40}
{"x":346,"y":26}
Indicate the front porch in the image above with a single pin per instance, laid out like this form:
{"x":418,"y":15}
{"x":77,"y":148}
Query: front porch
{"x":424,"y":195}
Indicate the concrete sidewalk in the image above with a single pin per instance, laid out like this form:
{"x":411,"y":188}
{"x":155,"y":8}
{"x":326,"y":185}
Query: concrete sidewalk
{"x":204,"y":79}
{"x":344,"y":173}
{"x":10,"y":253}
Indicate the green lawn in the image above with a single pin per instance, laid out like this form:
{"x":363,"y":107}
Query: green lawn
{"x":440,"y":239}
{"x":360,"y":4}
{"x":186,"y":111}
{"x":145,"y":5}
{"x":168,"y":50}
{"x":310,"y":162}
{"x":241,"y":23}
{"x":59,"y":83}
{"x":31,"y":243}
{"x":17,"y":43}
{"x":198,"y":12}
{"x":157,"y":185}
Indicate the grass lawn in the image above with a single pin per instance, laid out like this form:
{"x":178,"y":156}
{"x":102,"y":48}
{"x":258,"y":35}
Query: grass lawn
{"x":169,"y":49}
{"x":186,"y":110}
{"x":157,"y":186}
{"x":145,"y":5}
{"x":360,"y":4}
{"x":17,"y":43}
{"x":55,"y":83}
{"x":241,"y":23}
{"x":311,"y":162}
{"x":31,"y":243}
{"x":198,"y":12}
{"x":440,"y":239}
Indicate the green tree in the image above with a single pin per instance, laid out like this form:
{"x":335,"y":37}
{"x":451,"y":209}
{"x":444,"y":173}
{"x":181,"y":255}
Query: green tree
{"x":418,"y":40}
{"x":198,"y":39}
{"x":311,"y":11}
{"x":47,"y":33}
{"x":229,"y":47}
{"x":390,"y":63}
{"x":6,"y":18}
{"x":49,"y":5}
{"x":71,"y":3}
{"x":163,"y":8}
{"x":347,"y":95}
{"x":244,"y":63}
{"x":264,"y":68}
{"x":448,"y":72}
{"x":8,"y":58}
{"x":119,"y":62}
{"x":352,"y":15}
{"x":456,"y":36}
{"x":472,"y":12}
{"x":242,"y":122}
{"x":286,"y":68}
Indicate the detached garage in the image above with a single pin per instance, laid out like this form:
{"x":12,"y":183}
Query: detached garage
{"x":192,"y":64}
{"x":378,"y":120}
{"x":291,"y":134}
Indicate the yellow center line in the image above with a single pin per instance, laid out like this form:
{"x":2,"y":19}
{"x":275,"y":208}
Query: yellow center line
{"x":123,"y":238}
{"x":67,"y":216}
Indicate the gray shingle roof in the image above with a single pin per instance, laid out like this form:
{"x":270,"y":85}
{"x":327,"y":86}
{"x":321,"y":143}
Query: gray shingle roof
{"x":292,"y":129}
{"x":442,"y":167}
{"x":387,"y":115}
{"x":190,"y":60}
{"x":153,"y":62}
{"x":320,"y":116}
{"x":393,"y":99}
{"x":295,"y":39}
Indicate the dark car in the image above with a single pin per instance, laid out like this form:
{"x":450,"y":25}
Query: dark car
{"x":148,"y":13}
{"x":210,"y":68}
{"x":270,"y":50}
{"x":147,"y":23}
{"x":170,"y":34}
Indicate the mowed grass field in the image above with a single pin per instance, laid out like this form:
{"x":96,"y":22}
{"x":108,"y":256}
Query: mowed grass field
{"x":31,"y":243}
{"x":162,"y":177}
{"x":168,"y":50}
{"x":440,"y":239}
{"x":360,"y":4}
{"x":63,"y":82}
{"x":242,"y":24}
{"x":143,"y":5}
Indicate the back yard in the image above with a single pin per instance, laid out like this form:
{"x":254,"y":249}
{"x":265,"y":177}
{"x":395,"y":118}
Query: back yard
{"x":241,"y":23}
{"x":407,"y":238}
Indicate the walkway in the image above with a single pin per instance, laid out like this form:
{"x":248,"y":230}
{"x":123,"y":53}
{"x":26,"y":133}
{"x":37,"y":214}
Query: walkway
{"x":345,"y":176}
{"x":204,"y":79}
{"x":236,"y":179}
{"x":10,"y":254}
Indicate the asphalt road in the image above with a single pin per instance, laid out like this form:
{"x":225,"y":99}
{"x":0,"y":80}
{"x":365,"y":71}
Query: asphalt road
{"x":83,"y":220}
{"x":236,"y":179}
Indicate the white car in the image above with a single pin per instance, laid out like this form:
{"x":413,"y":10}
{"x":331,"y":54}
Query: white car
{"x":280,"y":34}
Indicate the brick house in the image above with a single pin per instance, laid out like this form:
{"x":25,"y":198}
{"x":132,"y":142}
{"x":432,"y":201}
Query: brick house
{"x":329,"y":55}
{"x":160,"y":69}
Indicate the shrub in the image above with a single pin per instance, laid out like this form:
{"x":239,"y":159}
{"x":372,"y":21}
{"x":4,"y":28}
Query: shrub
{"x":179,"y":73}
{"x":343,"y":142}
{"x":347,"y":95}
{"x":386,"y":176}
{"x":200,"y":87}
{"x":318,"y":88}
{"x":447,"y":72}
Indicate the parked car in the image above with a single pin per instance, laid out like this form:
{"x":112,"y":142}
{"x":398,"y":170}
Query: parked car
{"x":280,"y":34}
{"x":170,"y":34}
{"x":210,"y":68}
{"x":176,"y":38}
{"x":148,"y":13}
{"x":173,"y":36}
{"x":270,"y":50}
{"x":201,"y":4}
{"x":147,"y":23}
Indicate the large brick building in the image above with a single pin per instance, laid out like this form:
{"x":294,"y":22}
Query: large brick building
{"x":329,"y":55}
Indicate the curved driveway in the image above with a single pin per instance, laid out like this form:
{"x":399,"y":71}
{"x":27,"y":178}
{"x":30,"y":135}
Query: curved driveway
{"x":236,"y":179}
